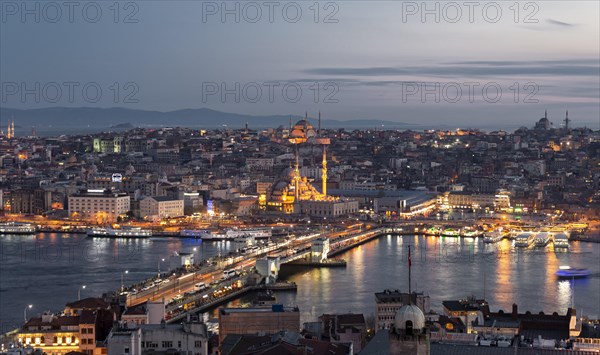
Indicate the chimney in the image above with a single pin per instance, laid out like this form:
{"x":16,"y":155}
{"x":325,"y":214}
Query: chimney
{"x":514,"y":311}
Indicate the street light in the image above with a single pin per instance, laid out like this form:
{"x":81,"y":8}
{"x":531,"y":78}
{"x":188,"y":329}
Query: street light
{"x":79,"y":292}
{"x":159,"y":261}
{"x":25,"y":312}
{"x":123,"y":279}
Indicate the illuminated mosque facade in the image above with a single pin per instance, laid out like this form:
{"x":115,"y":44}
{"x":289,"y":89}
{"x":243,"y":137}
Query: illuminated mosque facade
{"x":293,"y":193}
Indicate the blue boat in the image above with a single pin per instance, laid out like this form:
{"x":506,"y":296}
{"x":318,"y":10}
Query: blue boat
{"x":568,"y":272}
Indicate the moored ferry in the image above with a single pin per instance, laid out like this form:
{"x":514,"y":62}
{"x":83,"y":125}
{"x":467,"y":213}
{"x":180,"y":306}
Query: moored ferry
{"x":17,"y":228}
{"x":450,"y":232}
{"x":561,"y":240}
{"x":524,"y":240}
{"x":470,"y":232}
{"x":231,"y":234}
{"x":192,"y":233}
{"x":492,"y":237}
{"x":126,"y":232}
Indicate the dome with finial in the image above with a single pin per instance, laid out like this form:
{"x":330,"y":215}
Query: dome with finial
{"x":409,"y":319}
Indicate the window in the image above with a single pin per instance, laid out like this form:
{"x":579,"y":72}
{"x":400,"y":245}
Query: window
{"x":126,"y":350}
{"x":167,"y":344}
{"x":179,"y":344}
{"x":198,"y":343}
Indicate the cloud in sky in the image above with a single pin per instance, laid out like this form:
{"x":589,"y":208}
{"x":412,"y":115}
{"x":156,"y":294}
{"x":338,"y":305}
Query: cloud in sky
{"x":560,"y":23}
{"x":578,"y":67}
{"x":370,"y":52}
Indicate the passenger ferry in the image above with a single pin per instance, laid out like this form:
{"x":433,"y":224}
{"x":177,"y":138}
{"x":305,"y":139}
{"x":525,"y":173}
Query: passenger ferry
{"x":492,"y":237}
{"x":16,"y":228}
{"x":125,"y":232}
{"x":524,"y":240}
{"x":568,"y":272}
{"x":450,"y":232}
{"x":561,"y":241}
{"x":231,"y":234}
{"x":542,"y":239}
{"x":470,"y":232}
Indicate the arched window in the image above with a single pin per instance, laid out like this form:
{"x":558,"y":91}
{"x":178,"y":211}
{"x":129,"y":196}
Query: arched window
{"x":409,"y":327}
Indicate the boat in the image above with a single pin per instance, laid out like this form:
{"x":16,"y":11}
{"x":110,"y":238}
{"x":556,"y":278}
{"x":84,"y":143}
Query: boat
{"x":524,"y":240}
{"x":231,"y":234}
{"x":567,"y":272}
{"x":468,"y":232}
{"x":492,"y":237}
{"x":561,"y":241}
{"x":16,"y":228}
{"x":192,"y":233}
{"x":125,"y":232}
{"x":542,"y":239}
{"x":450,"y":232}
{"x":435,"y":230}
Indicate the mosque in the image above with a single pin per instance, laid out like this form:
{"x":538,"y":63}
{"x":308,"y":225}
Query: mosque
{"x":293,"y":193}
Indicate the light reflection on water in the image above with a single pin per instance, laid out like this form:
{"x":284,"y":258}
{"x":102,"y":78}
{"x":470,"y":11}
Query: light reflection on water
{"x":47,"y":270}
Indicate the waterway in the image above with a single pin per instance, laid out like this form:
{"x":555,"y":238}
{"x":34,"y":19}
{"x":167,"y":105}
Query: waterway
{"x":47,"y":271}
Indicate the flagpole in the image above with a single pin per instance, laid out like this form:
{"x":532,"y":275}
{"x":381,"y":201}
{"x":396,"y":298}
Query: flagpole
{"x":409,"y":275}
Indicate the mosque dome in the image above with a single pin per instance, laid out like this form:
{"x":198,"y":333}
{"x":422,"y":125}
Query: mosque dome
{"x":303,"y":129}
{"x":409,"y":318}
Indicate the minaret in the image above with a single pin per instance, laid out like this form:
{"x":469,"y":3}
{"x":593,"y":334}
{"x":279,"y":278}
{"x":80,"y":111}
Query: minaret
{"x":296,"y":178}
{"x":546,"y":114}
{"x":319,"y":130}
{"x":12,"y":129}
{"x":324,"y":170}
{"x":567,"y":120}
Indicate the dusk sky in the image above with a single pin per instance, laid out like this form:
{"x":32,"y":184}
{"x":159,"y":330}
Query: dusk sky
{"x":370,"y":60}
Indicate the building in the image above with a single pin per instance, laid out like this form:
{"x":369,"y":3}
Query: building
{"x":344,"y":329}
{"x":102,"y":206}
{"x":467,"y":310}
{"x":405,"y":203}
{"x":389,"y":302}
{"x":176,"y":339}
{"x":258,"y":320}
{"x":29,"y":201}
{"x":160,"y":207}
{"x":147,"y":313}
{"x":83,"y":331}
{"x":281,"y":343}
{"x":408,"y":335}
{"x":551,"y":328}
{"x":329,"y":208}
{"x":499,"y":201}
{"x":293,"y":193}
{"x":543,"y":124}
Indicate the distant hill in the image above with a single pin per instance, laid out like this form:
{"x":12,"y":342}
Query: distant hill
{"x":76,"y":118}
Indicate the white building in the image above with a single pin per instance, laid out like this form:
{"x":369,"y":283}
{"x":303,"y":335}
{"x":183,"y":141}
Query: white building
{"x":159,"y":207}
{"x":148,"y":313}
{"x":100,"y":205}
{"x":184,"y":338}
{"x":327,"y":208}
